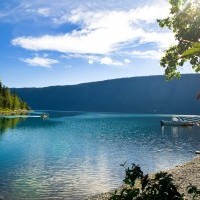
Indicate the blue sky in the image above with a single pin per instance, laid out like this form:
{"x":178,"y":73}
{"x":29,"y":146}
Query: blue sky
{"x":48,"y":42}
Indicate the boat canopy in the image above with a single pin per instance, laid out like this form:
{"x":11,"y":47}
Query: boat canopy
{"x":177,"y":119}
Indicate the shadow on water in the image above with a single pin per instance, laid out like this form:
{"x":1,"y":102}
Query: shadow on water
{"x":9,"y":123}
{"x":32,"y":120}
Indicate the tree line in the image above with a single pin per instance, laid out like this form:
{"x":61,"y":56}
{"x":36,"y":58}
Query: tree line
{"x":10,"y":100}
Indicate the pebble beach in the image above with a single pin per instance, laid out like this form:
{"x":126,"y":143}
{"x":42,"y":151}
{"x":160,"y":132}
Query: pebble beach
{"x":183,"y":175}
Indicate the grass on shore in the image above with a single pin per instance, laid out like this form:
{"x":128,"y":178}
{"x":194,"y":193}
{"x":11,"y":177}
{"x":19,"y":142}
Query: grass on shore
{"x":13,"y":112}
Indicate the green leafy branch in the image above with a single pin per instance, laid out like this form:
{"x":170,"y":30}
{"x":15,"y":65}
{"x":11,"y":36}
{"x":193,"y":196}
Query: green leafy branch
{"x":194,"y":50}
{"x":143,"y":187}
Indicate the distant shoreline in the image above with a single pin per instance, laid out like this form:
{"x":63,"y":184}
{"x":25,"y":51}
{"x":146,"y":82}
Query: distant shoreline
{"x":183,"y":175}
{"x":13,"y":112}
{"x":128,"y":95}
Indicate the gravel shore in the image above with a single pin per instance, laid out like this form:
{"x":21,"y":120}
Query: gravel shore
{"x":185,"y":174}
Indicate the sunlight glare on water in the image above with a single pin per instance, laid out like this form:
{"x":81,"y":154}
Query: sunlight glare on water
{"x":73,"y":155}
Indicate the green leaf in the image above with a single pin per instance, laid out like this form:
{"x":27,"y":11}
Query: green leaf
{"x":196,"y":45}
{"x":183,"y":21}
{"x":191,"y":51}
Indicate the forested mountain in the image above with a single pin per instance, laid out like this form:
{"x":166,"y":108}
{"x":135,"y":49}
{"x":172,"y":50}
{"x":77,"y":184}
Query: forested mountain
{"x":10,"y":101}
{"x":136,"y":95}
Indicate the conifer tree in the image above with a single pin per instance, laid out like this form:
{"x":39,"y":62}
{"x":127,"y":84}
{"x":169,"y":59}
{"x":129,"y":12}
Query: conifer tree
{"x":10,"y":100}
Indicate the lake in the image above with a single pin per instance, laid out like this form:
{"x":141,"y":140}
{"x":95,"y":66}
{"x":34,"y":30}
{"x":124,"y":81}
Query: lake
{"x":73,"y":155}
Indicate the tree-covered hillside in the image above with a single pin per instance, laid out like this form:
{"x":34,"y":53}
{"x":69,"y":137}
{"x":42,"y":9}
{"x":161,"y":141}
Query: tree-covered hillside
{"x":131,"y":95}
{"x":10,"y":101}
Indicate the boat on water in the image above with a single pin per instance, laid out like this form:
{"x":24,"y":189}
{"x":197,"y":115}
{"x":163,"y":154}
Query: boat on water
{"x":177,"y":121}
{"x":44,"y":115}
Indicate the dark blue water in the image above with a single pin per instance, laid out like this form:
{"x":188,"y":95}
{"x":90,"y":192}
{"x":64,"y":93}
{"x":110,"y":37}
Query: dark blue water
{"x":76,"y":155}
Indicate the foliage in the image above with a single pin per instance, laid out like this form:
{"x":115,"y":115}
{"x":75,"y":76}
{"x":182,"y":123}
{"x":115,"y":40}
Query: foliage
{"x":142,"y":187}
{"x":10,"y":101}
{"x":184,"y":20}
{"x":193,"y":190}
{"x":195,"y":49}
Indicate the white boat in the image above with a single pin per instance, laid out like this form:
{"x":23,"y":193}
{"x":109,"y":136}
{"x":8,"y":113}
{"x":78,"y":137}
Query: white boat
{"x":44,"y":115}
{"x":176,"y":121}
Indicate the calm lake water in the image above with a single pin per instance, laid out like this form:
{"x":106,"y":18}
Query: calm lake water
{"x":73,"y":155}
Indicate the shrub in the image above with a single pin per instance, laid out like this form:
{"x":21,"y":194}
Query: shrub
{"x":142,"y":187}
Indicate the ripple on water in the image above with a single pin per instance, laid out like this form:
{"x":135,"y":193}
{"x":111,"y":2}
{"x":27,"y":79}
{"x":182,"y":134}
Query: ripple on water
{"x":76,"y":155}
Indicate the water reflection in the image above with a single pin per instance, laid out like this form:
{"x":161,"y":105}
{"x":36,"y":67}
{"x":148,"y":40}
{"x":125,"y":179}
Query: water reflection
{"x":74,"y":155}
{"x":177,"y":131}
{"x":9,"y":123}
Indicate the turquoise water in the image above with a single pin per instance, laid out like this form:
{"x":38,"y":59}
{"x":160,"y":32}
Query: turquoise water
{"x":73,"y":155}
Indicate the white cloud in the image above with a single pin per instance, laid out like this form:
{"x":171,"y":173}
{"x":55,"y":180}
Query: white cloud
{"x":90,"y":62}
{"x":40,"y":61}
{"x":44,"y":11}
{"x":99,"y":59}
{"x":162,"y":40}
{"x":147,"y":13}
{"x":127,"y":61}
{"x":150,"y":13}
{"x":109,"y":61}
{"x":21,"y":8}
{"x":150,"y":54}
{"x":102,"y":32}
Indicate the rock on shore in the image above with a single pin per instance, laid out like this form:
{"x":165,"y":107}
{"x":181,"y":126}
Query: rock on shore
{"x":184,"y":175}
